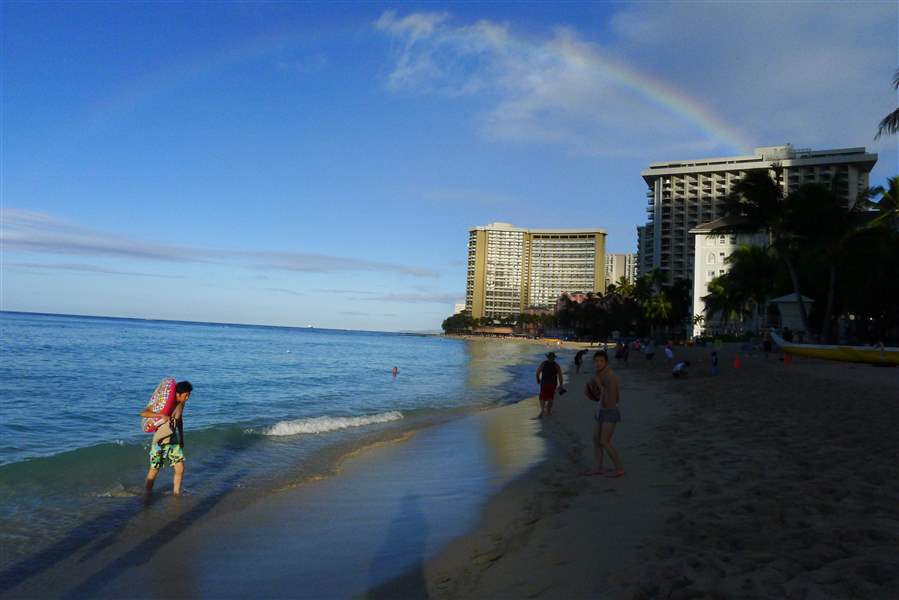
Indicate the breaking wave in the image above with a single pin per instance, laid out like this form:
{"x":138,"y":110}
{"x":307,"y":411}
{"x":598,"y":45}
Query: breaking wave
{"x":324,"y":424}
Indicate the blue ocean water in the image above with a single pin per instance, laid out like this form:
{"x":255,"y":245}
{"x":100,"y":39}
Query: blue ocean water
{"x":271,"y":406}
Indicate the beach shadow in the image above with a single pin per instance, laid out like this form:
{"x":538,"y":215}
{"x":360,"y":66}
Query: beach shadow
{"x":406,"y":538}
{"x":145,"y":550}
{"x":101,"y":531}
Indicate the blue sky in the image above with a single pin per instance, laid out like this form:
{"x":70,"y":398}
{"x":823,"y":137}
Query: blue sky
{"x":294,"y":164}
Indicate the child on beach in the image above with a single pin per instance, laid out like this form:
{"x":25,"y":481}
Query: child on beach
{"x":680,"y":369}
{"x":714,"y":359}
{"x":603,"y":389}
{"x":549,"y":375}
{"x":168,"y":441}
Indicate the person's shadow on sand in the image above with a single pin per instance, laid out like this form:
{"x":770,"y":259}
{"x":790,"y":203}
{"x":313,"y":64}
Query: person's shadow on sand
{"x":405,"y":543}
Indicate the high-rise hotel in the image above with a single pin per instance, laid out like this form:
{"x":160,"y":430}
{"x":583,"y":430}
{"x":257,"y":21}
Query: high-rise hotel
{"x":511,"y":269}
{"x":684,"y":194}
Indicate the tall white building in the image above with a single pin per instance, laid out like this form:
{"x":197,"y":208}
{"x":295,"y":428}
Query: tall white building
{"x":513,"y":268}
{"x":621,"y":265}
{"x":684,"y":194}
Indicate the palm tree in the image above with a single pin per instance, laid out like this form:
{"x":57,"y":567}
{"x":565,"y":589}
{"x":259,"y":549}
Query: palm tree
{"x":725,"y":298}
{"x":888,"y":206}
{"x":820,"y":220}
{"x":890,"y":123}
{"x":757,"y":204}
{"x":658,"y":309}
{"x":751,"y":269}
{"x":624,"y":287}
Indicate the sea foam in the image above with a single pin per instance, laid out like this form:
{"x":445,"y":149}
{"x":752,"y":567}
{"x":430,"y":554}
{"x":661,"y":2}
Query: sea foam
{"x":325,"y":424}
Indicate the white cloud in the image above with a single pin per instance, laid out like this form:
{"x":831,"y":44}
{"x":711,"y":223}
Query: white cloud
{"x":39,"y":233}
{"x":419,"y":298}
{"x":664,"y":80}
{"x":816,"y":74}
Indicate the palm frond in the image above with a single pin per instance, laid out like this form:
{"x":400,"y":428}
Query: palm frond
{"x":889,"y":125}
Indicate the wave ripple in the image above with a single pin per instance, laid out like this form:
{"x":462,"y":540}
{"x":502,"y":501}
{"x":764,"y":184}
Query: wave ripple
{"x":324,"y":424}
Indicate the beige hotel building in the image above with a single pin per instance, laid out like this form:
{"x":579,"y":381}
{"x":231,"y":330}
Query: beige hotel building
{"x":511,"y":269}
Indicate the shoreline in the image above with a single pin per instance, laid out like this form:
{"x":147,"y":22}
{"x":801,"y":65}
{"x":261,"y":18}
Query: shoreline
{"x":752,"y":487}
{"x":116,"y":558}
{"x":546,"y":534}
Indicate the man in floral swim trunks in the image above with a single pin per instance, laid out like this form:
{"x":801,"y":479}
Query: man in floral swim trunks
{"x":168,"y":441}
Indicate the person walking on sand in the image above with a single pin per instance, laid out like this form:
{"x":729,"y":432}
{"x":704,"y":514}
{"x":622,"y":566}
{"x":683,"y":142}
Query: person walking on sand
{"x":578,"y":359}
{"x":603,"y":389}
{"x":649,"y":350}
{"x":168,"y":440}
{"x":669,"y":352}
{"x":549,"y":376}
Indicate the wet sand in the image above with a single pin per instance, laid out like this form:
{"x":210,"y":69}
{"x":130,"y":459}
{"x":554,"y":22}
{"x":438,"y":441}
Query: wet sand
{"x":768,"y":480}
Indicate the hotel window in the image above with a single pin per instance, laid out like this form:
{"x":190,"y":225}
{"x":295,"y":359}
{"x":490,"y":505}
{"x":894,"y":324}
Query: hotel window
{"x":721,"y":239}
{"x":721,"y":272}
{"x":711,"y":274}
{"x":721,"y":256}
{"x":711,"y":258}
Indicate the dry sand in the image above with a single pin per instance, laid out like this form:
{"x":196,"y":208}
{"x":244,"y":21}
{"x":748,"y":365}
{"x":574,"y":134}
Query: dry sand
{"x":767,"y":480}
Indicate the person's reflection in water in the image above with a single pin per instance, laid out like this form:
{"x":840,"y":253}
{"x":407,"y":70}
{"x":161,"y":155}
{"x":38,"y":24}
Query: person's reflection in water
{"x":397,"y":570}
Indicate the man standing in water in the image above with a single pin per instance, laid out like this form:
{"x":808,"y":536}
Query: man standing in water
{"x":603,"y":389}
{"x":549,"y":375}
{"x":168,"y":441}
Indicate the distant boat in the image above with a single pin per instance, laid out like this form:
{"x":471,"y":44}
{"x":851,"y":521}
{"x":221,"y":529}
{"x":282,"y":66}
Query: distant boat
{"x":309,"y":327}
{"x":871,"y":355}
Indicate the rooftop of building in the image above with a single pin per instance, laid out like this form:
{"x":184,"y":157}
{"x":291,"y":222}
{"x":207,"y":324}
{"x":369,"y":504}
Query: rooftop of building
{"x":500,"y":226}
{"x":723,"y":222}
{"x":785,"y":154}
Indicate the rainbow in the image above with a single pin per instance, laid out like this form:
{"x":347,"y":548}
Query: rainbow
{"x":565,"y":49}
{"x":169,"y":77}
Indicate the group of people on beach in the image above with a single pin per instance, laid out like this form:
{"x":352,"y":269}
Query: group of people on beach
{"x":603,"y":389}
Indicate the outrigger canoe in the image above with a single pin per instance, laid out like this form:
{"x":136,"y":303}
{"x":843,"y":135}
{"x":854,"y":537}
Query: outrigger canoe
{"x":872,"y":355}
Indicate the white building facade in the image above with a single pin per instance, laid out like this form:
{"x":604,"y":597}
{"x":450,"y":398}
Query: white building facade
{"x":711,"y":251}
{"x":684,"y":194}
{"x":621,"y":265}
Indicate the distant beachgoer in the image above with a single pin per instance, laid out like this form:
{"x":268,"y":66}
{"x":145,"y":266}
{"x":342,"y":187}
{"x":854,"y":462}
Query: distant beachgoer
{"x":649,"y":350}
{"x":669,"y":352}
{"x":395,"y":371}
{"x":625,"y":353}
{"x":578,"y":359}
{"x":604,"y":389}
{"x":766,"y":344}
{"x":714,"y":357}
{"x":168,"y":440}
{"x":619,"y":351}
{"x":680,"y":369}
{"x":549,"y":376}
{"x":787,"y":334}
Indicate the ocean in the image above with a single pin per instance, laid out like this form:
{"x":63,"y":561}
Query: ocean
{"x":272,"y":408}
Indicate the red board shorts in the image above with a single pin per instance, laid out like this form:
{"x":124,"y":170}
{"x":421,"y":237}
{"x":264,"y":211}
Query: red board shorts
{"x":547,"y":391}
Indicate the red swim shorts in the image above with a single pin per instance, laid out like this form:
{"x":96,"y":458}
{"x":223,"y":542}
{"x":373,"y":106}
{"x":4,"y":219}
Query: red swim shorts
{"x":547,"y":391}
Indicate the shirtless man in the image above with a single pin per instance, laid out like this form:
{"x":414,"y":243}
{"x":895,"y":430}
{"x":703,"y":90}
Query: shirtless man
{"x":603,"y":389}
{"x":168,"y":440}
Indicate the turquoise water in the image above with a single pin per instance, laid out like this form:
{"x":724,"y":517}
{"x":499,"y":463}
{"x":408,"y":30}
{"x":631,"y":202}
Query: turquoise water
{"x":271,"y":407}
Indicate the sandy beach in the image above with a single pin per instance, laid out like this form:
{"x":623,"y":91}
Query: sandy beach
{"x":767,"y":480}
